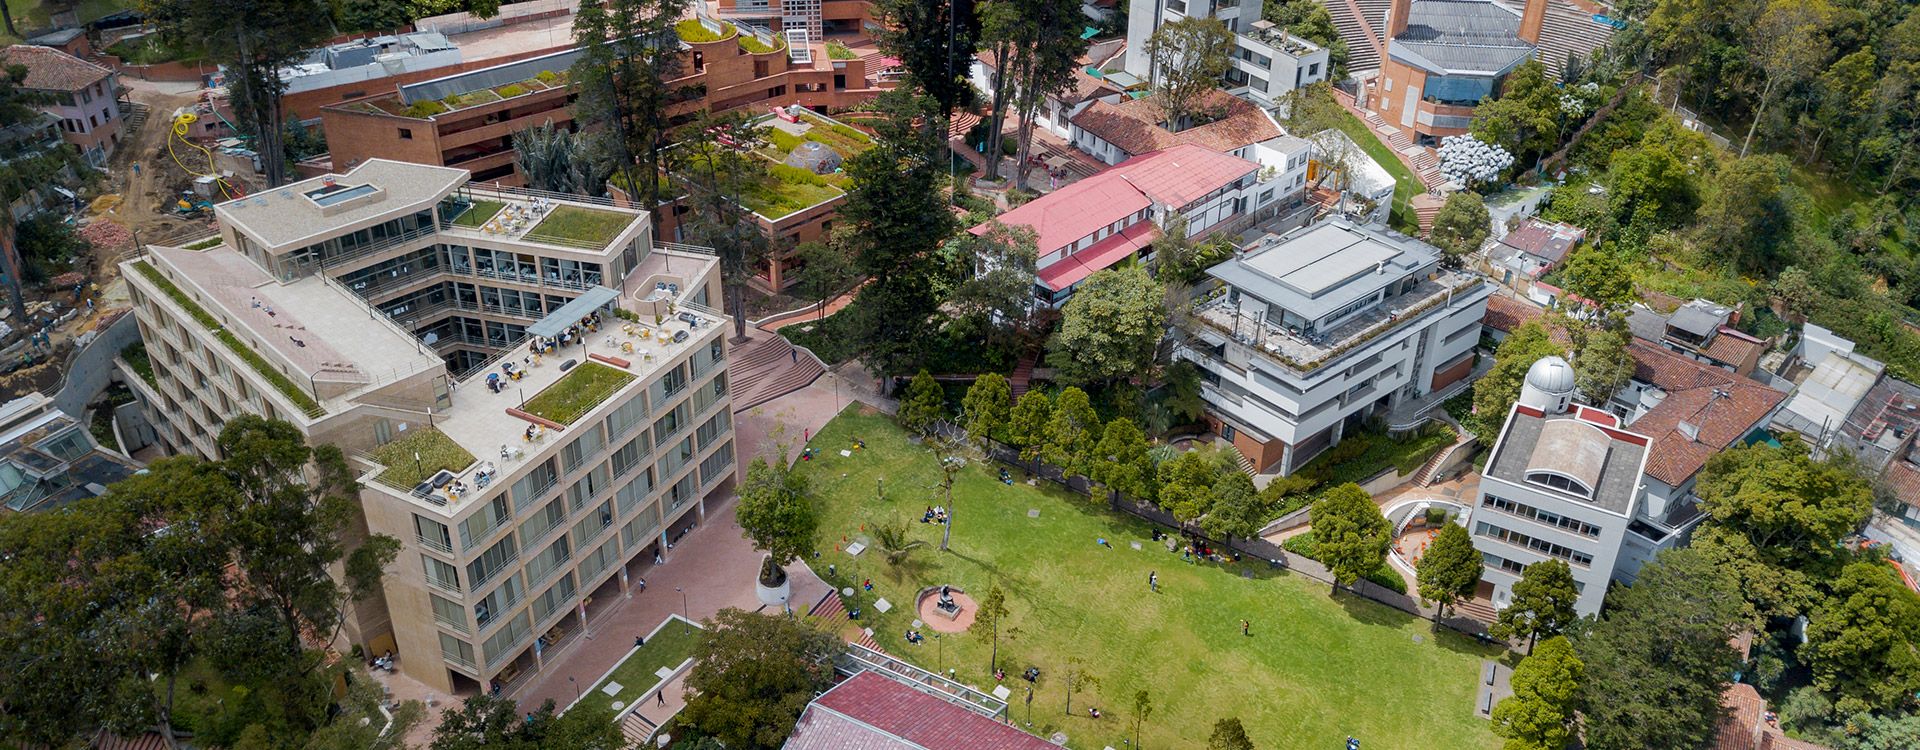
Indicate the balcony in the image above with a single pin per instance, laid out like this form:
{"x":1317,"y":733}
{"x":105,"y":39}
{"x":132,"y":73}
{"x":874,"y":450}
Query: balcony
{"x":1305,"y":352}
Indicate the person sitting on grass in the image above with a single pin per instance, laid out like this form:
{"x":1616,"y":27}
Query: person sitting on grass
{"x":928,"y":516}
{"x":1093,"y":713}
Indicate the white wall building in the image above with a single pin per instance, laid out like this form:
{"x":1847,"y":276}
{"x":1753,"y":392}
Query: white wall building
{"x":1267,"y":61}
{"x":1316,"y":330}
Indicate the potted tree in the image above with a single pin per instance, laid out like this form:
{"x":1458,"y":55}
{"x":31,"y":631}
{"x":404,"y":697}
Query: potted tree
{"x":777,"y":514}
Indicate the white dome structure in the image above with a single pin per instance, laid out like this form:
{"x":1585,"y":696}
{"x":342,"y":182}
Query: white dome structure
{"x":1549,"y":385}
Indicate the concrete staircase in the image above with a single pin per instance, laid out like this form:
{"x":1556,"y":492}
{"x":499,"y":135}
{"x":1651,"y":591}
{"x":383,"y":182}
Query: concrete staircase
{"x":1568,"y":31}
{"x":1424,"y":477}
{"x":636,"y":728}
{"x":1022,"y":377}
{"x":1362,"y":24}
{"x":137,"y":114}
{"x":830,"y":614}
{"x":1476,"y":608}
{"x":767,"y":367}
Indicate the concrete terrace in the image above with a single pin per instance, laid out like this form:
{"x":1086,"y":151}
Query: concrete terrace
{"x":323,"y":206}
{"x":1299,"y":352}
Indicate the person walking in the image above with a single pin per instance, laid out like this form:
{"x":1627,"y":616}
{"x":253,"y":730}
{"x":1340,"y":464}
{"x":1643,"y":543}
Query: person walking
{"x":1153,"y":581}
{"x":660,"y":697}
{"x":1246,"y":628}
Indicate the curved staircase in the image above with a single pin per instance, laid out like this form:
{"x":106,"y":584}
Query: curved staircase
{"x":767,"y":367}
{"x":830,"y":614}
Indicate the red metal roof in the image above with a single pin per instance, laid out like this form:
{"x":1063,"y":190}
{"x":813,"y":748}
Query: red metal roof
{"x":1173,"y":177}
{"x":1103,"y":254}
{"x":872,"y":712}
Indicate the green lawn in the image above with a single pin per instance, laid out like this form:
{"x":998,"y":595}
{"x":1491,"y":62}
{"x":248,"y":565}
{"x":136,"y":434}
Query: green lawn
{"x":478,"y":214}
{"x":1407,"y":183}
{"x":1317,"y":667}
{"x":577,"y":393}
{"x":674,"y":644}
{"x":420,"y":453}
{"x":576,"y":226}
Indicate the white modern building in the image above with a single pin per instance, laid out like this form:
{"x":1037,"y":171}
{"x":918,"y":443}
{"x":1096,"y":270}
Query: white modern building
{"x":1563,"y":483}
{"x":1267,"y":62}
{"x":531,"y":391}
{"x":1312,"y":332}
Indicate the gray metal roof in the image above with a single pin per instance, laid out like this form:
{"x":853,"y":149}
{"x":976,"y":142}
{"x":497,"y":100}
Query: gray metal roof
{"x":1316,"y":270}
{"x":1524,"y":435}
{"x":568,"y":314}
{"x":1461,"y":36}
{"x":1647,"y":324}
{"x":1699,"y":318}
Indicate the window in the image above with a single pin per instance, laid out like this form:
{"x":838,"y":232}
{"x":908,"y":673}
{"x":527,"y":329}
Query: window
{"x":406,"y":134}
{"x":717,"y":465}
{"x":1542,"y":546}
{"x":633,"y":492}
{"x":501,"y":645}
{"x":578,"y":451}
{"x":629,"y":455}
{"x":499,"y":602}
{"x":589,"y":487}
{"x":432,"y":534}
{"x":456,"y":651}
{"x":548,"y":561}
{"x":534,"y":484}
{"x":1549,"y":518}
{"x":672,"y":423}
{"x":441,"y":574}
{"x":545,"y":520}
{"x":714,"y":428}
{"x":480,"y":525}
{"x":492,"y":561}
{"x":556,"y":598}
{"x":675,"y":457}
{"x":669,"y":384}
{"x":642,"y":526}
{"x":448,"y":613}
{"x":631,"y":413}
{"x":591,"y":565}
{"x":1560,"y":482}
{"x":590,"y":526}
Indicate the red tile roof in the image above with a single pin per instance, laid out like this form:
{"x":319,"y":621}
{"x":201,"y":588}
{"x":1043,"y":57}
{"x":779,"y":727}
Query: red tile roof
{"x":1134,"y":125}
{"x":1506,"y":313}
{"x":1904,"y":480}
{"x":1544,"y":239}
{"x":49,"y":69}
{"x":1745,"y":725}
{"x":1735,"y":348}
{"x":1173,"y":177}
{"x":1074,"y":268}
{"x":873,"y":712}
{"x":1691,"y":388}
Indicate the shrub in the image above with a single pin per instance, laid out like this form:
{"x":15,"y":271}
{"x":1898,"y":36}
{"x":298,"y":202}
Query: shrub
{"x":511,"y":90}
{"x":691,"y":31}
{"x":426,"y":108}
{"x":754,"y":46}
{"x":783,"y":140}
{"x":795,"y":175}
{"x":546,"y":76}
{"x":838,"y":51}
{"x":1384,"y":575}
{"x":850,"y":132}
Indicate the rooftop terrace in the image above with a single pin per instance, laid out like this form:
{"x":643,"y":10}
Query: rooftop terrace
{"x":309,"y":210}
{"x":1302,"y":352}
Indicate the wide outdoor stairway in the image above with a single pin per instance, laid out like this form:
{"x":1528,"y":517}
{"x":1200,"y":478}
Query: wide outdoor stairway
{"x":1022,"y":377}
{"x":1363,"y":24}
{"x":830,"y":615}
{"x":1569,"y":31}
{"x":765,"y":368}
{"x":1477,"y":608}
{"x":636,"y":728}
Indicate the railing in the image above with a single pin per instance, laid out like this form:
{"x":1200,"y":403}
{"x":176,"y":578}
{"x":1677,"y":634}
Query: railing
{"x":681,"y":247}
{"x":451,"y":588}
{"x":377,"y":247}
{"x":458,"y":660}
{"x":451,"y":623}
{"x":858,"y":658}
{"x":434,"y":544}
{"x":1442,"y":297}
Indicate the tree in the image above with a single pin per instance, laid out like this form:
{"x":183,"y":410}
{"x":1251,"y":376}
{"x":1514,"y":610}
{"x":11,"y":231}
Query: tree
{"x":1142,"y":708}
{"x":1546,"y":691}
{"x":1310,"y":20}
{"x":935,"y":42}
{"x":1864,"y":644}
{"x":1876,"y":732}
{"x":1461,"y":226}
{"x":1122,"y":461}
{"x":778,"y":514}
{"x":623,"y":72}
{"x":1795,"y":288}
{"x":1527,"y":117}
{"x":253,"y":40}
{"x":1349,"y":533}
{"x":714,"y":160}
{"x":1186,"y":485}
{"x":1236,"y":510}
{"x":1188,"y":57}
{"x":898,"y":217}
{"x":999,"y":292}
{"x":1542,"y":604}
{"x":1745,"y":218}
{"x":1077,"y":679}
{"x":924,"y":404}
{"x":1072,"y":432}
{"x":1770,"y":590}
{"x":1494,"y":394}
{"x":890,"y":537}
{"x":752,"y":676}
{"x":1027,"y":424}
{"x":987,"y":618}
{"x":1602,"y":365}
{"x":986,"y":408}
{"x":826,"y":269}
{"x":1661,"y":690}
{"x":490,"y":722}
{"x":559,"y":161}
{"x":1110,"y":328}
{"x":1600,"y":278}
{"x":1228,"y":734}
{"x":1789,"y":43}
{"x":1794,"y":509}
{"x":1655,"y":184}
{"x":1449,"y":571}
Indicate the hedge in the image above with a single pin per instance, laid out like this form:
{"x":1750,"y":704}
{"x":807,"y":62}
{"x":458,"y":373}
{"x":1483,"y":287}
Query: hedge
{"x":1302,"y":545}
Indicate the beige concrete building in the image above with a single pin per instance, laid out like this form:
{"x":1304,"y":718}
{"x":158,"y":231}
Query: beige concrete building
{"x":523,"y":464}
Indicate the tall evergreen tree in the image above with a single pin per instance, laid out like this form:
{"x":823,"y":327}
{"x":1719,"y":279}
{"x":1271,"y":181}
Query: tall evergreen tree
{"x":1546,"y":689}
{"x":714,"y":159}
{"x":1349,"y":533}
{"x":1659,"y":660}
{"x":628,"y":53}
{"x":1449,"y":571}
{"x":986,"y":408}
{"x":1542,"y":604}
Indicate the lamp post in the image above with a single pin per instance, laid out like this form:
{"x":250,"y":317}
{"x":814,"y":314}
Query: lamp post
{"x":576,"y":688}
{"x":684,"y":610}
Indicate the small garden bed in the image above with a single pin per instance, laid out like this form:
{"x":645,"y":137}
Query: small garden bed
{"x":477,"y":214}
{"x":787,"y":190}
{"x":421,"y":453}
{"x":669,"y":646}
{"x":838,"y":51}
{"x":691,"y":31}
{"x":754,"y":46}
{"x":1384,"y":575}
{"x":136,"y":356}
{"x":573,"y":225}
{"x":575,"y":394}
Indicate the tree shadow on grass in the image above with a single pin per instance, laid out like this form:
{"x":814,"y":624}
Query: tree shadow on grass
{"x":1369,"y":612}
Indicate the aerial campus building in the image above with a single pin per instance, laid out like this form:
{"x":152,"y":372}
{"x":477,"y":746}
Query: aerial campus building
{"x":531,"y":390}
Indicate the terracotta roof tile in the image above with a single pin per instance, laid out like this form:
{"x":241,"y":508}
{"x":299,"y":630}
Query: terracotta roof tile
{"x":49,"y":69}
{"x":1506,"y":313}
{"x":1904,"y":480}
{"x":887,"y":715}
{"x":1691,"y":388}
{"x":1134,"y":125}
{"x":1735,"y":348}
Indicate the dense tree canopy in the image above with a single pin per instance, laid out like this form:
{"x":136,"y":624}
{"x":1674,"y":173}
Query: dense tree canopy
{"x":1110,"y":328}
{"x":752,"y":676}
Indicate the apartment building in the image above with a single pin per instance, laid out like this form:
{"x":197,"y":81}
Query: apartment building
{"x":526,"y":467}
{"x":468,"y":119}
{"x":1312,"y":332}
{"x":83,"y":97}
{"x":1565,"y":482}
{"x":1267,"y":62}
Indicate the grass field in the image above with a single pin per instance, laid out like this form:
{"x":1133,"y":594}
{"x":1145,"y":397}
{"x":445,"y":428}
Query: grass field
{"x":1316,"y":668}
{"x":673,"y":644}
{"x":478,"y":214}
{"x":1406,"y":183}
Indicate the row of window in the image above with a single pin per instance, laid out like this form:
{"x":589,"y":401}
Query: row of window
{"x":1499,"y":563}
{"x":1541,"y":546}
{"x":1547,"y":517}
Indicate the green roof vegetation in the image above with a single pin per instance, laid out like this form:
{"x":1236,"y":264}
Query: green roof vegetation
{"x":136,"y":356}
{"x":280,"y":381}
{"x":672,"y":644}
{"x":753,"y":45}
{"x":478,"y":214}
{"x":574,"y":225}
{"x":788,"y":189}
{"x":692,"y":31}
{"x":1406,"y":183}
{"x":210,"y":242}
{"x":425,"y":109}
{"x":577,"y":392}
{"x":419,"y":453}
{"x":838,"y":51}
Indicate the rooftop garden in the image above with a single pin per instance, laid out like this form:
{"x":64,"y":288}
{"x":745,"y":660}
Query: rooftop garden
{"x":692,"y":31}
{"x":838,"y":51}
{"x":477,"y":214}
{"x":545,"y":79}
{"x":574,"y":225}
{"x":419,"y":453}
{"x":136,"y":356}
{"x":576,"y":393}
{"x":787,"y":189}
{"x":280,"y":381}
{"x":753,"y":45}
{"x":206,"y":244}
